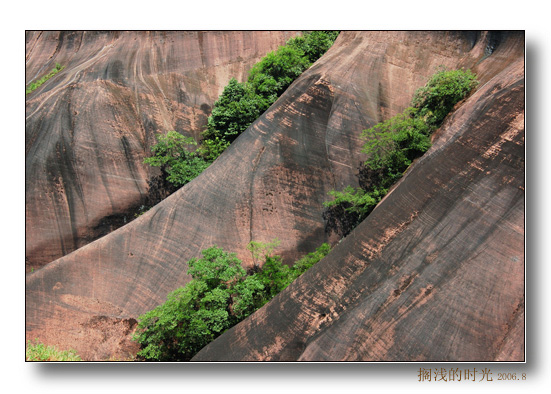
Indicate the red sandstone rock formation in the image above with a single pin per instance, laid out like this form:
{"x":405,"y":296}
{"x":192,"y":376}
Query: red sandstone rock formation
{"x":89,"y":128}
{"x":427,"y":250}
{"x":435,"y":273}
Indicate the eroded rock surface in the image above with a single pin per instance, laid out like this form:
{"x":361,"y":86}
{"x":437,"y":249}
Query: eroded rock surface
{"x":427,"y":250}
{"x":89,"y":128}
{"x":435,"y":273}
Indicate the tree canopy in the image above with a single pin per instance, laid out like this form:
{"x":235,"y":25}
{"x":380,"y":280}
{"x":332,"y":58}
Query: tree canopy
{"x":177,"y":161}
{"x":239,"y":105}
{"x":392,"y":146}
{"x":220,"y":295}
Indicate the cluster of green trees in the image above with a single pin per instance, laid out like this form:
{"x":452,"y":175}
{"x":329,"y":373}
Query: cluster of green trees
{"x":36,"y":84}
{"x":221,"y":294}
{"x":239,"y":105}
{"x":391,"y":147}
{"x":179,"y":162}
{"x":242,"y":103}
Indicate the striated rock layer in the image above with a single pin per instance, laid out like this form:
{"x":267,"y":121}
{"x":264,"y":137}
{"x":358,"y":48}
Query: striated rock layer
{"x":89,"y":128}
{"x":435,"y":273}
{"x":272,"y":182}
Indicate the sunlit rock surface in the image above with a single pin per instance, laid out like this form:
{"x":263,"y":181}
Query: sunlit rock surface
{"x":435,"y":273}
{"x":406,"y":285}
{"x":89,"y":128}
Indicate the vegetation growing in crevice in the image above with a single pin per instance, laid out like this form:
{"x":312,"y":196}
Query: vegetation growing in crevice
{"x":36,"y":84}
{"x":37,"y":351}
{"x":177,"y":160}
{"x":220,"y":295}
{"x":242,"y":103}
{"x":239,"y":105}
{"x":392,"y":146}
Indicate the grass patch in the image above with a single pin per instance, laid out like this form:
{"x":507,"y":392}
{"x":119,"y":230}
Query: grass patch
{"x":36,"y":84}
{"x":37,"y":351}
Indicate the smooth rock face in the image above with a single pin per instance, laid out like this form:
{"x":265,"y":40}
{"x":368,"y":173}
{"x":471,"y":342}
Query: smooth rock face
{"x":89,"y":128}
{"x":272,"y":183}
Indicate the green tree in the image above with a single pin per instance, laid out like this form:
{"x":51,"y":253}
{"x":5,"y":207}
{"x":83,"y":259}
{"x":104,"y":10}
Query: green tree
{"x":220,"y":295}
{"x":269,"y":269}
{"x":249,"y":295}
{"x":216,"y":268}
{"x":315,"y":43}
{"x":274,"y":276}
{"x":236,"y":108}
{"x":391,"y":146}
{"x":445,"y":89}
{"x":172,"y":154}
{"x":275,"y":72}
{"x":195,"y":314}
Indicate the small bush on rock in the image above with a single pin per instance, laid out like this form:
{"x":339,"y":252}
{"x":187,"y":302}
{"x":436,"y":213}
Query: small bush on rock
{"x":393,"y":145}
{"x":445,"y":89}
{"x":176,"y":160}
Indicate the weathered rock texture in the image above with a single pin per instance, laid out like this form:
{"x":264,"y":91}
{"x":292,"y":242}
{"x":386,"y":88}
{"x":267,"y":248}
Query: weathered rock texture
{"x":437,"y":264}
{"x":89,"y":128}
{"x":435,"y":273}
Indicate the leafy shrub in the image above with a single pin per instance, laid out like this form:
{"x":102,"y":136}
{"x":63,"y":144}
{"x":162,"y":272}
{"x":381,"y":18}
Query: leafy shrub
{"x":36,"y":84}
{"x":220,"y":295}
{"x":392,"y":146}
{"x":348,"y":208}
{"x":445,"y":89}
{"x":274,"y":276}
{"x":314,"y":44}
{"x":275,"y":72}
{"x":240,"y":104}
{"x":236,"y":108}
{"x":38,"y":352}
{"x":195,"y":314}
{"x":308,"y":261}
{"x":179,"y":164}
{"x":212,"y":147}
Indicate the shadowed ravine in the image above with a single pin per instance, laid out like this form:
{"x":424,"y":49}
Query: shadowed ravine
{"x":436,"y":272}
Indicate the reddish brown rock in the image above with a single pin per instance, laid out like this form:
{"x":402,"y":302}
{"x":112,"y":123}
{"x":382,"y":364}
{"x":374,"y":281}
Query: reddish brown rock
{"x":272,"y":182}
{"x":435,"y":273}
{"x":89,"y":128}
